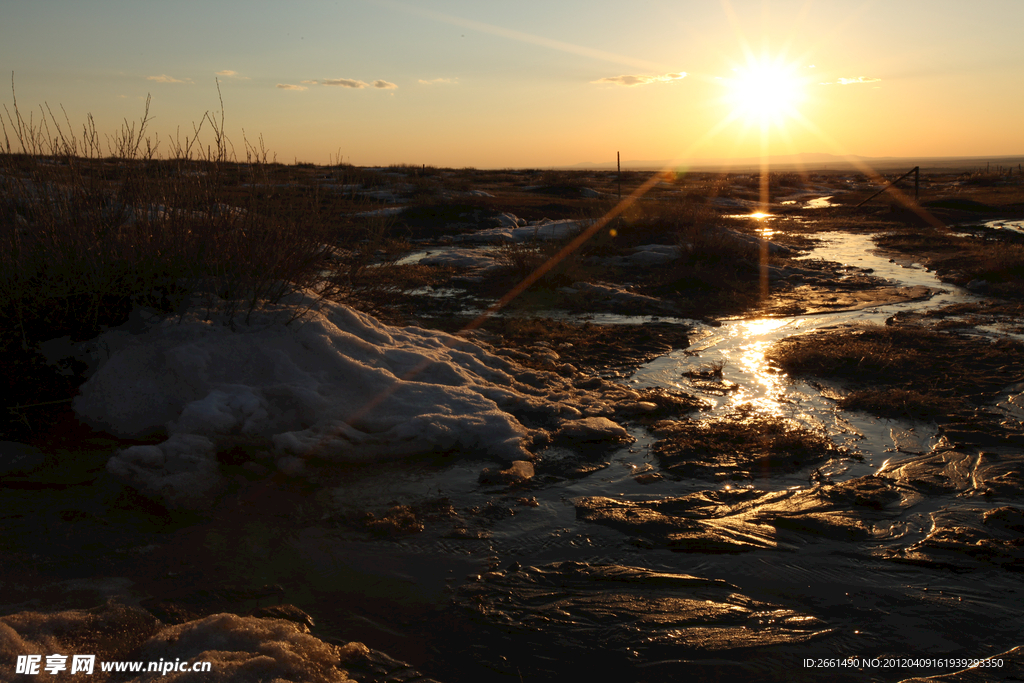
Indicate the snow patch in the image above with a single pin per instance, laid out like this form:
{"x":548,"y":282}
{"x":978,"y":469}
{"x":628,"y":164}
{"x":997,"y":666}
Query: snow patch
{"x":541,"y":230}
{"x":591,"y":429}
{"x":645,"y":255}
{"x":460,"y":258}
{"x":182,"y":471}
{"x":238,"y":649}
{"x":246,"y":649}
{"x":337,"y":385}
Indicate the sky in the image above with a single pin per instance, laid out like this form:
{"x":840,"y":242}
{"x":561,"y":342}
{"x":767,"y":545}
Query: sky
{"x":533,"y":83}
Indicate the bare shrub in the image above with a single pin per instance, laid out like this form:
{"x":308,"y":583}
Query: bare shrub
{"x":520,"y":258}
{"x":85,"y":237}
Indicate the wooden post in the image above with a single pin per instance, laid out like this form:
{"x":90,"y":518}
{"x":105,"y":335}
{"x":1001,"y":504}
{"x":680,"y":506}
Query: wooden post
{"x":618,"y":162}
{"x":917,"y":181}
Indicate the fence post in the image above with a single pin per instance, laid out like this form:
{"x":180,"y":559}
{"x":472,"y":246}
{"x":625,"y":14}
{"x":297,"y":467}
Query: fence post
{"x":618,"y":162}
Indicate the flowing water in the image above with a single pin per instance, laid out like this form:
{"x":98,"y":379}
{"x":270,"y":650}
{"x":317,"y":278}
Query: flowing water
{"x":873,"y":606}
{"x":388,"y":593}
{"x":739,"y":347}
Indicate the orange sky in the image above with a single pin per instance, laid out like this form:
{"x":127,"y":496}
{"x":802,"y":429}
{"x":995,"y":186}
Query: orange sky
{"x":534,"y":84}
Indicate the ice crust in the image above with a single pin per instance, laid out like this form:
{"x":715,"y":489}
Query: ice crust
{"x":337,"y":385}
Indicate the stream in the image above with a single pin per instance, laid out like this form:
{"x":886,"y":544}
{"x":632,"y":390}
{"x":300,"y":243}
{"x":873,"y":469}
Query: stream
{"x":873,"y":607}
{"x":816,"y":595}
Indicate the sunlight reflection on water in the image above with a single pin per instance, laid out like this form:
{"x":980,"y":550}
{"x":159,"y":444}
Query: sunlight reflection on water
{"x":762,"y":218}
{"x":770,"y":383}
{"x":750,"y":381}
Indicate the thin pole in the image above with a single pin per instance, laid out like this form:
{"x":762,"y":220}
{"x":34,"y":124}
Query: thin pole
{"x":618,"y":162}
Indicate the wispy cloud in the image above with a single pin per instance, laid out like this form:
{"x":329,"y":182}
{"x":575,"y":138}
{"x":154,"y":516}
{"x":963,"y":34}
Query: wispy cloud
{"x":342,"y":83}
{"x":852,"y":81}
{"x":523,"y":37}
{"x":289,"y":86}
{"x":438,"y":81}
{"x":228,"y":73}
{"x":164,"y":78}
{"x":641,"y":80}
{"x":345,"y":82}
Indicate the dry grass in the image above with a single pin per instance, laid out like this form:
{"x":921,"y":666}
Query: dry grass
{"x":90,"y":231}
{"x":520,"y":258}
{"x":905,"y":370}
{"x":869,"y":352}
{"x":647,"y":222}
{"x":907,"y":404}
{"x":597,"y":348}
{"x":987,"y":177}
{"x":741,"y":444}
{"x":85,"y":236}
{"x":963,"y":259}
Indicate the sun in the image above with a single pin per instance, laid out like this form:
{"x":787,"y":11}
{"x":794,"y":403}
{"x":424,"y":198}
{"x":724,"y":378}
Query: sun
{"x":765,"y":91}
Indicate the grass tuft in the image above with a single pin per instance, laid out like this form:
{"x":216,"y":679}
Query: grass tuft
{"x":88,"y":232}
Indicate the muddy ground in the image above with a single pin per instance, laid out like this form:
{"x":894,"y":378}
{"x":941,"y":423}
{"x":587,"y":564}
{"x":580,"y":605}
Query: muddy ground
{"x":678,"y":553}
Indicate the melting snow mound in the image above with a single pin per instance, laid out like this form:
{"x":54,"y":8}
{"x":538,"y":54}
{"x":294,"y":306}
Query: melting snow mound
{"x":336,"y":385}
{"x":245,"y":649}
{"x":221,"y":647}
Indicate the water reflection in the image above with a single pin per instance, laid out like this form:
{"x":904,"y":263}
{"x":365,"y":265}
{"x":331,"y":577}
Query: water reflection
{"x":820,"y":203}
{"x":762,"y":218}
{"x":748,"y":381}
{"x":757,"y":327}
{"x":771,"y":390}
{"x":766,"y":388}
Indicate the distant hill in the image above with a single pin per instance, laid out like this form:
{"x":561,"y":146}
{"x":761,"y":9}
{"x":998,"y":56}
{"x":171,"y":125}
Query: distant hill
{"x":815,"y":161}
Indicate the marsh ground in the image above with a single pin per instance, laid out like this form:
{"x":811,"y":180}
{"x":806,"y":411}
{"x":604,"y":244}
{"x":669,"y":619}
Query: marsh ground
{"x":536,"y":575}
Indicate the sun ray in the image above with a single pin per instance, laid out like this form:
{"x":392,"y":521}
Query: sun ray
{"x":867,"y":170}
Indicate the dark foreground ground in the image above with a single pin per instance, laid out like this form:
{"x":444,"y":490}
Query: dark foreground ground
{"x":918,"y":561}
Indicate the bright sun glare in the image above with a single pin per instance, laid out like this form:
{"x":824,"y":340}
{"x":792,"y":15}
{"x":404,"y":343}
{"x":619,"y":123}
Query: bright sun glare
{"x":765,"y":92}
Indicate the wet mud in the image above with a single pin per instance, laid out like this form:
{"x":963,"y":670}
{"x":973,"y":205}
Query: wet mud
{"x":740,"y":520}
{"x":608,"y":350}
{"x":962,"y":539}
{"x":585,"y":620}
{"x":714,"y":519}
